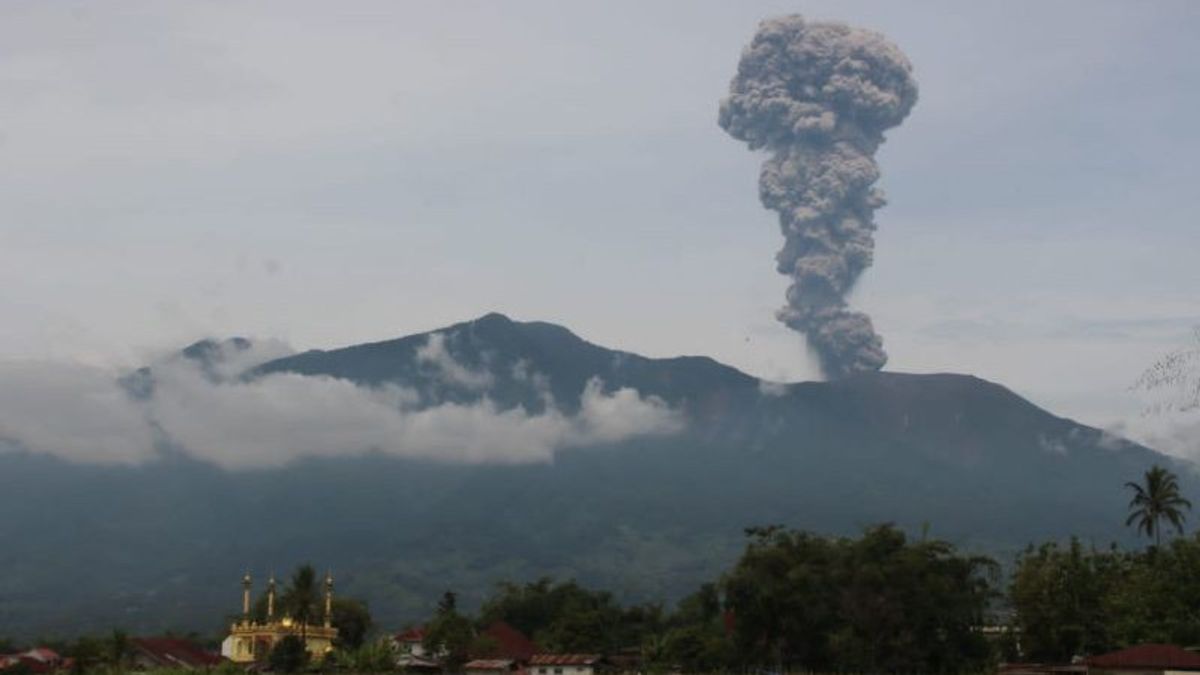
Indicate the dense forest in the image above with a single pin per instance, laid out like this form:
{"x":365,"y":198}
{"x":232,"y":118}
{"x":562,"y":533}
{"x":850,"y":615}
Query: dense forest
{"x":883,"y":601}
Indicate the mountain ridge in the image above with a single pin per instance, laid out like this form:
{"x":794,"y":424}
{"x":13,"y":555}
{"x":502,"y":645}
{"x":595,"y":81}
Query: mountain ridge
{"x":649,"y":516}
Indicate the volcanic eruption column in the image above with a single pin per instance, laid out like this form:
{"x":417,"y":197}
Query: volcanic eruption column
{"x":819,"y":96}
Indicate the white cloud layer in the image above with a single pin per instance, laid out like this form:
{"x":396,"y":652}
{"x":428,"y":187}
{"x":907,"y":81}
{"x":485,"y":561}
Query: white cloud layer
{"x":434,"y":354}
{"x":82,"y":414}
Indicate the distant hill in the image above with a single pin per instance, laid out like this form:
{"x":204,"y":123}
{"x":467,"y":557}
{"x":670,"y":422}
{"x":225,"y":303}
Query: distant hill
{"x":163,"y":545}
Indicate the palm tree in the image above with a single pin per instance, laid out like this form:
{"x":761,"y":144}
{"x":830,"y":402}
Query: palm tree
{"x":1157,"y":500}
{"x":301,"y":599}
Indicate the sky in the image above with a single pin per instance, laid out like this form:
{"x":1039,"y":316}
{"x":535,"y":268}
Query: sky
{"x":332,"y":173}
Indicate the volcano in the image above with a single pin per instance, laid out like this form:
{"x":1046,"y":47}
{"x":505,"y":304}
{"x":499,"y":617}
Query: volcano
{"x":163,"y":545}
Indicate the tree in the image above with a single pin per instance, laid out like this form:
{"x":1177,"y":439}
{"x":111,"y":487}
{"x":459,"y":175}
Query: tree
{"x":88,"y":653}
{"x":696,"y":640}
{"x":1062,"y":603}
{"x":288,"y":655}
{"x":302,"y":598}
{"x":566,"y":617}
{"x":449,"y":635}
{"x":371,"y":657}
{"x":352,"y":620}
{"x":119,"y":649}
{"x":1157,"y":500}
{"x":878,"y":603}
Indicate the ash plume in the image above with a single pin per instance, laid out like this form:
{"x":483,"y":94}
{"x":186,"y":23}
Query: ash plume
{"x":819,"y":96}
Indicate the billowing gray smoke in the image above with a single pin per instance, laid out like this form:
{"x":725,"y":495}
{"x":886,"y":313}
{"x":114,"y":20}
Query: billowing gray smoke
{"x":819,"y":96}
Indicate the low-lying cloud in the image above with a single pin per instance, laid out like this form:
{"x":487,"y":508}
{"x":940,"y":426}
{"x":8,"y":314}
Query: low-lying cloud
{"x":435,"y":356}
{"x":84,"y":414}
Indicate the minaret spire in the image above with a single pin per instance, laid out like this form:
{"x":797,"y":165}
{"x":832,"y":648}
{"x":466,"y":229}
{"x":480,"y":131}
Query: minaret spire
{"x":271,"y":597}
{"x":328,"y":598}
{"x":246,"y":596}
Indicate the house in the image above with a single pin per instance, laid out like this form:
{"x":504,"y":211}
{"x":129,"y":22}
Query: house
{"x":37,"y":660}
{"x":564,"y":664}
{"x":410,"y":662}
{"x":411,"y":641}
{"x":491,"y":667}
{"x":150,"y":653}
{"x":1147,"y":659}
{"x":411,"y":654}
{"x":506,"y":642}
{"x":1042,"y":669}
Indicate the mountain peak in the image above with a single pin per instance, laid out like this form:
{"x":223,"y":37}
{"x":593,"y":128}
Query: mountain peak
{"x":493,"y":318}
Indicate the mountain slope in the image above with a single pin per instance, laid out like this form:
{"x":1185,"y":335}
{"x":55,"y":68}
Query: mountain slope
{"x":164,"y":544}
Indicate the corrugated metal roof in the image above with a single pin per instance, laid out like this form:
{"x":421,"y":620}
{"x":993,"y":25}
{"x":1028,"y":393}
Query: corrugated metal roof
{"x":488,"y":664}
{"x":564,"y":659}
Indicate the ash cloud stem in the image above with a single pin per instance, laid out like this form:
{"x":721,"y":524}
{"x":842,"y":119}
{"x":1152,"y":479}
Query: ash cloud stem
{"x":818,"y":97}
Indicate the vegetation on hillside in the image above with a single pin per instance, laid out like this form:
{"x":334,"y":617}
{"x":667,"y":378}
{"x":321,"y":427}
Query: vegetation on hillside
{"x":794,"y":600}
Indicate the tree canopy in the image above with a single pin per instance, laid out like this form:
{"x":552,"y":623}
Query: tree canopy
{"x":876,"y":603}
{"x":1156,"y":500}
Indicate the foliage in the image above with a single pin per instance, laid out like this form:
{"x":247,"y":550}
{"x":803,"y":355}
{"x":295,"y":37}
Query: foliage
{"x":1071,"y":601}
{"x":301,"y":600}
{"x":450,"y":634}
{"x":88,"y":653}
{"x":352,"y":620}
{"x":288,"y":655}
{"x":877,"y":603}
{"x":566,"y":617}
{"x":1058,"y":595}
{"x":119,"y":650}
{"x":1155,"y":501}
{"x":372,"y":657}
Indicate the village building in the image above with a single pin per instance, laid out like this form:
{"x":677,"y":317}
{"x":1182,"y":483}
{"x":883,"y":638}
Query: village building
{"x":250,"y":641}
{"x":1144,"y":659}
{"x":505,"y":642}
{"x":565,"y":664}
{"x":151,"y":653}
{"x":37,"y":660}
{"x":491,"y":667}
{"x":411,"y":654}
{"x":410,"y":641}
{"x":1147,"y":659}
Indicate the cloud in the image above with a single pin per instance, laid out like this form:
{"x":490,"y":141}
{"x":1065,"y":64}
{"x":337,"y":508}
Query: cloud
{"x":1054,"y":446}
{"x":435,"y":355}
{"x":1176,"y":433}
{"x":772,"y":389}
{"x":71,"y":410}
{"x":83,"y":414}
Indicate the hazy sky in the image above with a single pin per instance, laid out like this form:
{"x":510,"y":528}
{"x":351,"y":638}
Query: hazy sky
{"x":331,"y":173}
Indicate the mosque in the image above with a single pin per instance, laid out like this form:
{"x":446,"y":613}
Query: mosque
{"x":250,"y":641}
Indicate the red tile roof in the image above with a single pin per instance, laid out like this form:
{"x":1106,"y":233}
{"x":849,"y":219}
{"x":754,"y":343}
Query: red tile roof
{"x":416,"y":634}
{"x":564,"y":659}
{"x":510,"y":642}
{"x":175,"y":652}
{"x":31,"y":664}
{"x":37,"y":660}
{"x":43,"y":654}
{"x":1148,"y":656}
